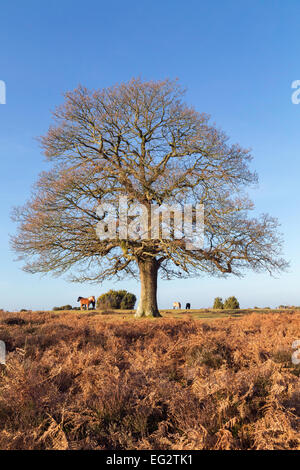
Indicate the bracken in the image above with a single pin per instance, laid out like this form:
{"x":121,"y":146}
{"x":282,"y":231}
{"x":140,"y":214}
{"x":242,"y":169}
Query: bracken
{"x":73,"y":381}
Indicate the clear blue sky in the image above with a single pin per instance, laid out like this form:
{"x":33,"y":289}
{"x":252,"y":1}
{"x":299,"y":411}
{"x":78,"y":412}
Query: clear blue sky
{"x":237,"y":60}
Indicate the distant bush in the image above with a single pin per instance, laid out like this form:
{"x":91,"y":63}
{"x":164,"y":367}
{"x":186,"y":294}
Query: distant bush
{"x":120,"y":299}
{"x":128,"y":301}
{"x":111,"y":299}
{"x":64,"y":307}
{"x":218,"y":303}
{"x":23,"y":310}
{"x":231,"y":303}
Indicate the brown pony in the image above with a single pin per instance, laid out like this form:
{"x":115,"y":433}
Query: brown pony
{"x":85,"y":302}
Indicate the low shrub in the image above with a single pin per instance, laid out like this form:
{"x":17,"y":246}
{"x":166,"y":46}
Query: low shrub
{"x":218,"y":303}
{"x":128,"y":301}
{"x":231,"y":303}
{"x":64,"y":307}
{"x":117,"y":300}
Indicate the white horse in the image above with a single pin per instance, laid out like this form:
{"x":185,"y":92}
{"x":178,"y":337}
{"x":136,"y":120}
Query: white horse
{"x":176,"y":305}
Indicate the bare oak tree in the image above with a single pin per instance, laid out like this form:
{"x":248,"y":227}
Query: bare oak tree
{"x":140,"y":140}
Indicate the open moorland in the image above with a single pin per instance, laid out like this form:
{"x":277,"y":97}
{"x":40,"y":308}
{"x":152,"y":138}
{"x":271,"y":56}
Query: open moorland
{"x":104,"y":380}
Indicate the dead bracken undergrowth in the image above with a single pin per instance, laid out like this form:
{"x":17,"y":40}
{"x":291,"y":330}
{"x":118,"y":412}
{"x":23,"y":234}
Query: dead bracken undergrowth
{"x":82,"y":381}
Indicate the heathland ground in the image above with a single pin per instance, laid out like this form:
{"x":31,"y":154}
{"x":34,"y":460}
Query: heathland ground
{"x":104,"y":380}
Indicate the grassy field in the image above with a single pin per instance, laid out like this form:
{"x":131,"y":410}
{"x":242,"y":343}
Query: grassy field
{"x":192,"y":380}
{"x":195,"y":314}
{"x":213,"y":314}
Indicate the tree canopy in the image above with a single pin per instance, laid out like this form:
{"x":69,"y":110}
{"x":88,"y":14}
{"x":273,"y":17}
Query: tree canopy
{"x":141,"y":140}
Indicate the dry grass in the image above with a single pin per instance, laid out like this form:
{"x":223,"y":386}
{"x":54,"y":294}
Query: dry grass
{"x":92,"y":381}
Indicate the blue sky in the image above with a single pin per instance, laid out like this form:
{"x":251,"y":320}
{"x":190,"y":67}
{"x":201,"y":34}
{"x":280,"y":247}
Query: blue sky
{"x":237,"y":61}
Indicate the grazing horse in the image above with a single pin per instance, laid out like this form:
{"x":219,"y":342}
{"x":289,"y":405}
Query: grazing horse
{"x":92,"y":301}
{"x":85,"y":302}
{"x":188,"y":306}
{"x":176,"y":305}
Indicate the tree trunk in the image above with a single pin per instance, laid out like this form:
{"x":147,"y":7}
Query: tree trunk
{"x":147,"y":306}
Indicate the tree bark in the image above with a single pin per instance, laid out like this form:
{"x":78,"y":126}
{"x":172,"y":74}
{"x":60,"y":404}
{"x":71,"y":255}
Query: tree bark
{"x":147,"y":306}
